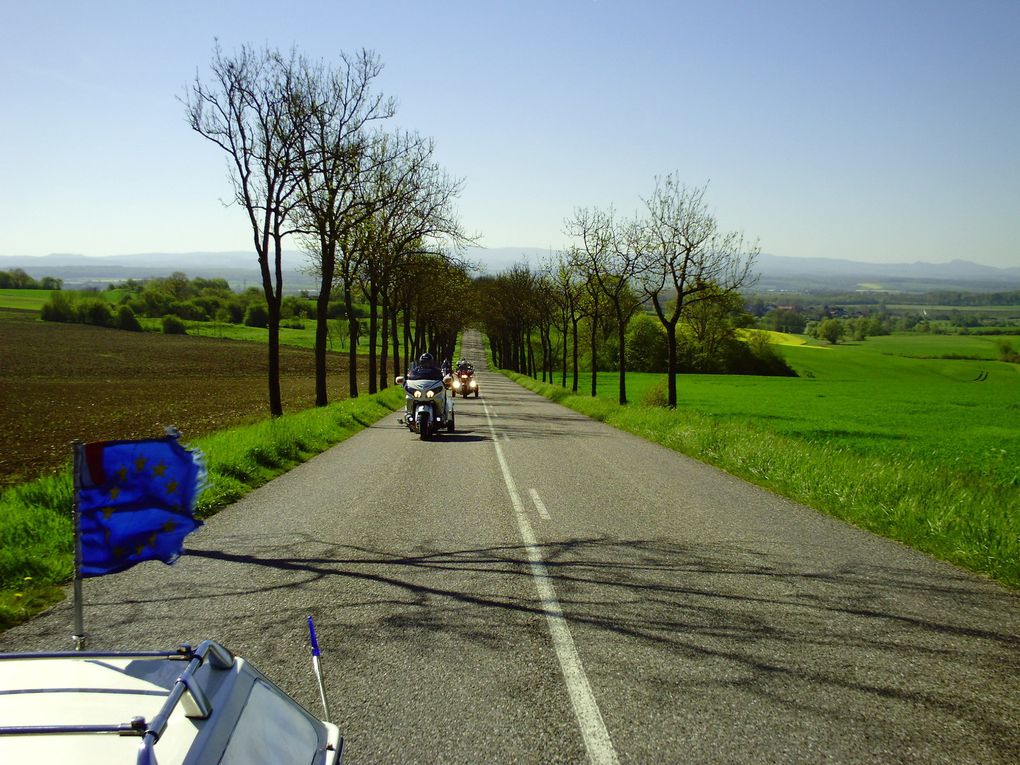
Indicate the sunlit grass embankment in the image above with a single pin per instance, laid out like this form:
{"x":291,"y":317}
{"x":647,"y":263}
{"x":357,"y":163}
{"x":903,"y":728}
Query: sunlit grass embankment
{"x":953,"y":512}
{"x":36,"y":539}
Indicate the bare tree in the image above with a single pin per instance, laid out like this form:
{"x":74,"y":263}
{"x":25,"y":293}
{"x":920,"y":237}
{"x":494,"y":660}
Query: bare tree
{"x":686,"y":258}
{"x":566,"y":294}
{"x":416,"y":217}
{"x":337,"y":155}
{"x":249,"y":108}
{"x":608,"y":257}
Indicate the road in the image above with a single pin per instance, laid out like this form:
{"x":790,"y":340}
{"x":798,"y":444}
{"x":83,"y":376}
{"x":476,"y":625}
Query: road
{"x":540,"y":588}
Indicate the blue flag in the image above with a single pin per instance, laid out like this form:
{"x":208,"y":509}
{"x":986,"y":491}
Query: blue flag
{"x":136,"y":502}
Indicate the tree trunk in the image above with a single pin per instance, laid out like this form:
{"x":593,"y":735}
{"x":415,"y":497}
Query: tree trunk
{"x":273,"y":309}
{"x":373,"y":331}
{"x":621,"y":337}
{"x":671,"y":366}
{"x":384,"y":350}
{"x":352,"y":351}
{"x":322,"y":324}
{"x":573,"y":386}
{"x":395,"y":330}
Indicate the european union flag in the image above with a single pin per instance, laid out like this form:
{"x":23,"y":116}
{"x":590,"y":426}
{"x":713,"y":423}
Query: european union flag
{"x":136,"y":502}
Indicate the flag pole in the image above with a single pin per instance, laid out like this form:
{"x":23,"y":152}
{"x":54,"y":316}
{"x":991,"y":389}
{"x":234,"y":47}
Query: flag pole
{"x":79,"y":619}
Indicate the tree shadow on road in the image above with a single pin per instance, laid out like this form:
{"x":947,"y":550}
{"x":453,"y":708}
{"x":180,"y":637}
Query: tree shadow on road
{"x":856,"y":644}
{"x":802,"y":635}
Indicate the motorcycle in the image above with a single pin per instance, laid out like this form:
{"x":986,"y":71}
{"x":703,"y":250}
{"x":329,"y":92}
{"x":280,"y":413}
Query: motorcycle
{"x":464,"y":383}
{"x":427,"y":408}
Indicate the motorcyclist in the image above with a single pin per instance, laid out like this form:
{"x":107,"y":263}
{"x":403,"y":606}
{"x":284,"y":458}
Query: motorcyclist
{"x":425,"y":369}
{"x":463,"y":366}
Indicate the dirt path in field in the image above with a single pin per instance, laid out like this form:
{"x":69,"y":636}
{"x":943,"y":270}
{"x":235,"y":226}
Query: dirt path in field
{"x":59,"y":382}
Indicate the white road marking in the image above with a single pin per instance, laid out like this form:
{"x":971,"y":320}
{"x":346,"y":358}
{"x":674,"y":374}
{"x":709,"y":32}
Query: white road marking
{"x":539,"y":504}
{"x":586,"y":709}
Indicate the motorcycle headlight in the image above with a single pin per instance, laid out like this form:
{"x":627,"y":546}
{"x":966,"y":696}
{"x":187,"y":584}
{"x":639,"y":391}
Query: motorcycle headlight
{"x":430,"y":394}
{"x":456,"y":383}
{"x":417,"y":394}
{"x":474,"y":384}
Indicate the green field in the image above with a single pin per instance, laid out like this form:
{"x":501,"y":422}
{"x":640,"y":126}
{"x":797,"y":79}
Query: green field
{"x":23,"y":300}
{"x":897,"y":434}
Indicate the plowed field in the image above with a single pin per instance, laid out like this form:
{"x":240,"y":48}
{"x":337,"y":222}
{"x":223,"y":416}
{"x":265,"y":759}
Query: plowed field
{"x":59,"y":382}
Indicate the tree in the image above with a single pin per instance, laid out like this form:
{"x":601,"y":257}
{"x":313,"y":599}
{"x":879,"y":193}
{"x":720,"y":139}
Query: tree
{"x":567,"y":293}
{"x":609,"y":257}
{"x":251,"y":109}
{"x":830,"y":330}
{"x":414,"y":217}
{"x":594,"y":229}
{"x":686,"y":258}
{"x":336,"y":157}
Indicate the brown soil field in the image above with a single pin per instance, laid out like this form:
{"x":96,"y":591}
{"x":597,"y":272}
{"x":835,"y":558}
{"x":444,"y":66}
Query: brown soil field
{"x":61,"y":382}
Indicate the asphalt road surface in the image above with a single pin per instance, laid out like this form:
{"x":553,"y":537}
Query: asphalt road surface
{"x":540,"y":588}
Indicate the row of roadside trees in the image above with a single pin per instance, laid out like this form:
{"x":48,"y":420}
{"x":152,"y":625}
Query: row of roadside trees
{"x":308,"y":158}
{"x":672,"y":257}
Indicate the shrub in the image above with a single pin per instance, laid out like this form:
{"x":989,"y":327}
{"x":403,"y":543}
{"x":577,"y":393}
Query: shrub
{"x":656,"y":396}
{"x":126,"y":319}
{"x":1007,"y":352}
{"x":189,"y":310}
{"x":95,"y":311}
{"x":647,"y":346}
{"x":58,"y":308}
{"x":765,"y":359}
{"x":172,"y":325}
{"x":256,"y":316}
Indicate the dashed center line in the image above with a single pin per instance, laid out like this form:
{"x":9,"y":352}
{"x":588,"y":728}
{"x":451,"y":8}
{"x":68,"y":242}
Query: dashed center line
{"x":593,"y":728}
{"x":539,"y":504}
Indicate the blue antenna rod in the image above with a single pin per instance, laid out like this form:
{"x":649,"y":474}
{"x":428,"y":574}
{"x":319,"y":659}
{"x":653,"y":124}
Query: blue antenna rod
{"x":317,"y":668}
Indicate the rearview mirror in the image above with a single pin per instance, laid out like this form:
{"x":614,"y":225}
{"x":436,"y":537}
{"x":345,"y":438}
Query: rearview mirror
{"x":399,"y":380}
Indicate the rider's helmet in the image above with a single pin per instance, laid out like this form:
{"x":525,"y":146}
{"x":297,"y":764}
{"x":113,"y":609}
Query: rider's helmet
{"x":426,"y":360}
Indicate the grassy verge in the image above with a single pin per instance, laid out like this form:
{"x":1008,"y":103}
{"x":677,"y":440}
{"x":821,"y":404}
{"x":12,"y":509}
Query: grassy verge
{"x":36,"y":545}
{"x":953,"y":513}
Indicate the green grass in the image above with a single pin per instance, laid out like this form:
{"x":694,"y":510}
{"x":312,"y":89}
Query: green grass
{"x":299,"y":338}
{"x":36,"y":539}
{"x":24,"y":300}
{"x":922,"y":450}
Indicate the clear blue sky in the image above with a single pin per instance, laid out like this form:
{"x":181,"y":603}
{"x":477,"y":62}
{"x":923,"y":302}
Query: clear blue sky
{"x":884,"y":131}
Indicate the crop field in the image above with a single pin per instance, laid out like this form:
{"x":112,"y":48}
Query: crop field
{"x":914,"y":437}
{"x":23,"y":300}
{"x":60,"y":382}
{"x":941,"y":400}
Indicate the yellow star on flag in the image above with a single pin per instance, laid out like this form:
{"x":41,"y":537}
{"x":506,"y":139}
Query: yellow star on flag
{"x":140,"y":464}
{"x":171,"y":487}
{"x":160,"y":468}
{"x":122,"y":473}
{"x":107,"y":512}
{"x":114,"y":493}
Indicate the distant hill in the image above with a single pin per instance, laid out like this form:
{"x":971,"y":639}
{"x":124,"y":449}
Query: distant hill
{"x":240,"y":269}
{"x":777,"y":272}
{"x":785,"y":273}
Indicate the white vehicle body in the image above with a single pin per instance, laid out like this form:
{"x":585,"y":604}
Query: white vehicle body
{"x":174,"y":708}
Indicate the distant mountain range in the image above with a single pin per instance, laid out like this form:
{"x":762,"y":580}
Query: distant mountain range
{"x":777,"y":272}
